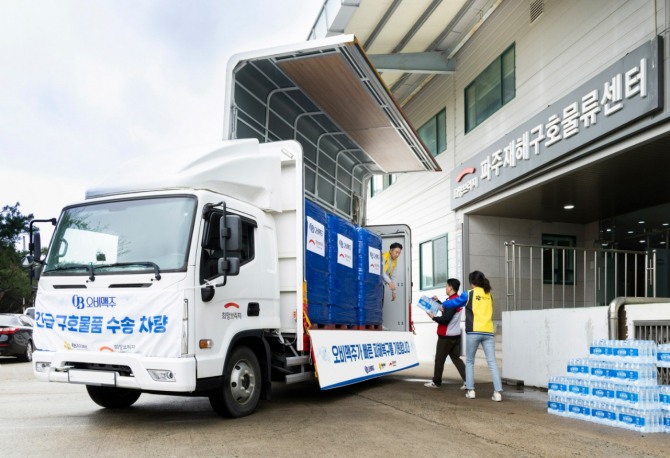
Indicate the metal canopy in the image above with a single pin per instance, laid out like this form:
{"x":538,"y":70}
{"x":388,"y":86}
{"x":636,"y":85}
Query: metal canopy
{"x":326,"y":95}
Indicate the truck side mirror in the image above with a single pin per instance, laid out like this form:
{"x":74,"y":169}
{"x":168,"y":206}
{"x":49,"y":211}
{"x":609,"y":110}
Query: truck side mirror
{"x":36,"y":247}
{"x":230,"y":239}
{"x":229,"y":266}
{"x":231,"y":233}
{"x":35,"y":272}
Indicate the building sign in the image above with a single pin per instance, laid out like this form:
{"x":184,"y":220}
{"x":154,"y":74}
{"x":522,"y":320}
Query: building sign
{"x":626,"y":91}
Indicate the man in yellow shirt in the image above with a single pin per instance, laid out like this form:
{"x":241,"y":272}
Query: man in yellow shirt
{"x":390,"y":261}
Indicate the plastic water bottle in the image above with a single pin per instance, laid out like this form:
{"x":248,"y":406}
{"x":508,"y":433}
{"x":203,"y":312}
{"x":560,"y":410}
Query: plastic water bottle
{"x":647,"y":350}
{"x":637,"y":374}
{"x":579,"y":367}
{"x":600,"y":350}
{"x":557,"y":386}
{"x":626,"y":396}
{"x":663,"y":355}
{"x":557,"y":405}
{"x":579,"y":409}
{"x":602,"y":392}
{"x":633,"y":419}
{"x":619,"y":350}
{"x":599,"y":370}
{"x":664,"y":397}
{"x":578,"y":387}
{"x":604,"y":413}
{"x":666,"y":422}
{"x":653,"y":421}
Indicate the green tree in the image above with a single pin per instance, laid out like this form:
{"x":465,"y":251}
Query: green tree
{"x":15,"y":289}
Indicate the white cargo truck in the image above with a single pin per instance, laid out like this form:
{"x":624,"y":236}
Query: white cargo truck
{"x":184,"y":274}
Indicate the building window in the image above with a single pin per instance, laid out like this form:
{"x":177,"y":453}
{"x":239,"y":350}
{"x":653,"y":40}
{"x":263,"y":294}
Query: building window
{"x":492,"y":89}
{"x":380,"y":182}
{"x":433,"y":263}
{"x":434,"y":133}
{"x":558,"y":259}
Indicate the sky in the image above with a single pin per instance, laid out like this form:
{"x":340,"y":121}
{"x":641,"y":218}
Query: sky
{"x":88,"y":85}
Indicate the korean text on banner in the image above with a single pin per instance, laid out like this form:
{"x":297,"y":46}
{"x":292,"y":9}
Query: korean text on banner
{"x":346,"y":357}
{"x":141,"y":322}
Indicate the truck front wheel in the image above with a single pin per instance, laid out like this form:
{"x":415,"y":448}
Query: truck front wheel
{"x":112,"y":397}
{"x":240,"y":391}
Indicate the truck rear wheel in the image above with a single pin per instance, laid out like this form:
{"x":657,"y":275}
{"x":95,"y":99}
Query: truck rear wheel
{"x":112,"y":397}
{"x":240,"y":391}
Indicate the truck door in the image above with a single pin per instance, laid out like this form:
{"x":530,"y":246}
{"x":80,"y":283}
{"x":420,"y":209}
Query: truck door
{"x":397,"y":314}
{"x":221,"y":309}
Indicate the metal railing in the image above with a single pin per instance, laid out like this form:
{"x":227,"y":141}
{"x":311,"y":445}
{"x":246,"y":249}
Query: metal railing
{"x":539,"y":277}
{"x":655,"y":330}
{"x":659,"y":332}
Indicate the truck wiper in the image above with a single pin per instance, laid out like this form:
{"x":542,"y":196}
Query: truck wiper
{"x":88,"y":267}
{"x":157,"y":271}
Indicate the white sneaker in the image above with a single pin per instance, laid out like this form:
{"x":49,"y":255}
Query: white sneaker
{"x":464,"y":387}
{"x":497,"y":397}
{"x":430,"y":385}
{"x":470,"y":394}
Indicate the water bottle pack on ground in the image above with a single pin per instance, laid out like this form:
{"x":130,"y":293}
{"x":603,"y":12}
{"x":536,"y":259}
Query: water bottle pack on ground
{"x":616,"y":385}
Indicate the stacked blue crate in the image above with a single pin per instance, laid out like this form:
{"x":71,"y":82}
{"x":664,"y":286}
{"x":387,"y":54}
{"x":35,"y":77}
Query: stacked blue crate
{"x":316,"y":263}
{"x":370,"y":288}
{"x":342,"y":278}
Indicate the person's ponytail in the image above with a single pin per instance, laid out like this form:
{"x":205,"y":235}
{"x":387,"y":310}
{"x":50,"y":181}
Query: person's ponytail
{"x":478,"y":279}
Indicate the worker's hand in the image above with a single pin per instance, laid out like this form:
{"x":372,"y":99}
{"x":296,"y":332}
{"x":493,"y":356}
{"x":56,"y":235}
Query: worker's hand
{"x":431,"y":314}
{"x":435,"y":298}
{"x":393,"y":295}
{"x":441,"y":309}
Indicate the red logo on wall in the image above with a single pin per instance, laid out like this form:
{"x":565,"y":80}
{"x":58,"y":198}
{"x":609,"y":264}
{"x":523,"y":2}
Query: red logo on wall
{"x":464,"y":172}
{"x":231,"y":304}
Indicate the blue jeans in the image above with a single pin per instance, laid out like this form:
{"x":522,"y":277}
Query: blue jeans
{"x":489,"y":345}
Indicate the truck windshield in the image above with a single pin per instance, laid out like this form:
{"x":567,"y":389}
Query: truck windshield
{"x":123,"y":237}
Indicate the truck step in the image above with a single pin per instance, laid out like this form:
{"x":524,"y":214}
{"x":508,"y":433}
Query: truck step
{"x":299,"y":377}
{"x":290,"y":361}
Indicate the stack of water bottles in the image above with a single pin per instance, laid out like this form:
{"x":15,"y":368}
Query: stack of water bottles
{"x":663,"y":360}
{"x":616,"y":385}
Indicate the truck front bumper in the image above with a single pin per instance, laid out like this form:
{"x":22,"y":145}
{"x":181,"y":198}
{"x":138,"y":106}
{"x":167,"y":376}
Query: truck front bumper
{"x":123,"y":370}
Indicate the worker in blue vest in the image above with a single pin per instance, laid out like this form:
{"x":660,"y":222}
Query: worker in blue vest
{"x":479,"y":329}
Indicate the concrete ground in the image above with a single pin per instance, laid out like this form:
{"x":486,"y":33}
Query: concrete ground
{"x":385,"y":417}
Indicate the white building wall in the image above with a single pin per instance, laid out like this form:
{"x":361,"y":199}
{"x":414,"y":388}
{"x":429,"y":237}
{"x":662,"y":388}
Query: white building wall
{"x":539,"y":343}
{"x":568,"y":44}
